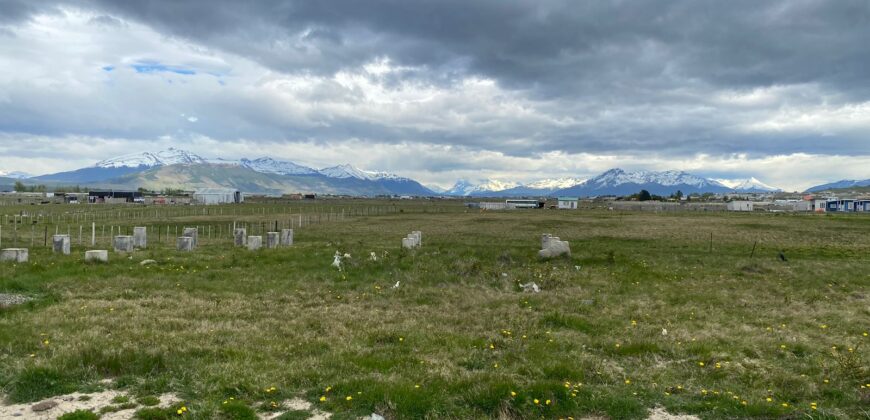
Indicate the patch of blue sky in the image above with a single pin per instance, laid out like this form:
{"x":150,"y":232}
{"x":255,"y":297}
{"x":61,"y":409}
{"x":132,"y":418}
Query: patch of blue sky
{"x":157,"y":67}
{"x":108,"y":68}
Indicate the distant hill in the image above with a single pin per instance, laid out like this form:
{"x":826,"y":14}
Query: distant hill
{"x":203,"y":175}
{"x":839,"y":185}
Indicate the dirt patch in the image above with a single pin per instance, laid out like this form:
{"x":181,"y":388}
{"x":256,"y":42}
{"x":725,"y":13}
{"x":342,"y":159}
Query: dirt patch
{"x":659,"y":413}
{"x":53,"y":408}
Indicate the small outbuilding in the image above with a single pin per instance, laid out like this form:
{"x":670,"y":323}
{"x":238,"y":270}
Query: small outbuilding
{"x":740,"y":206}
{"x":218,"y":196}
{"x":569,"y":202}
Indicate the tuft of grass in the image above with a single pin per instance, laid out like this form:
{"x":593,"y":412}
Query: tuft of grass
{"x":79,"y":415}
{"x":237,"y":410}
{"x":148,"y":401}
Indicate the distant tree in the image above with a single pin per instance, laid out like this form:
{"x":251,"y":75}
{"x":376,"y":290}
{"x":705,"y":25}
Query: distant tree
{"x":20,"y":187}
{"x":678,"y":195}
{"x":644,"y":195}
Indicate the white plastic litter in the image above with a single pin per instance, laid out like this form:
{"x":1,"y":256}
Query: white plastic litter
{"x":336,"y":260}
{"x":531,"y":287}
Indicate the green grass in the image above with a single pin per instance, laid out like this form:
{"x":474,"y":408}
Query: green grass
{"x":459,"y":336}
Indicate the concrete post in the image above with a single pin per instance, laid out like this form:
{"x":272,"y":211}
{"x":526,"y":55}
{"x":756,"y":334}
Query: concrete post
{"x":60,"y":244}
{"x":272,"y":240}
{"x":97,"y":255}
{"x":192,"y":233}
{"x":255,"y":243}
{"x":185,"y":243}
{"x":419,"y":236}
{"x":408,"y":243}
{"x":140,"y":237}
{"x":286,"y":237}
{"x":18,"y":255}
{"x":240,"y":236}
{"x":123,"y":243}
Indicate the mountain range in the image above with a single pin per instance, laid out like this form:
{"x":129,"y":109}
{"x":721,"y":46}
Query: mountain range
{"x":181,"y":169}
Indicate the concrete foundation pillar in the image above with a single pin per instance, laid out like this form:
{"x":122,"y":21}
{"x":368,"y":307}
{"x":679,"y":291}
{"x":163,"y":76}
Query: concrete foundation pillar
{"x":60,"y":244}
{"x":185,"y":244}
{"x":18,"y":255}
{"x":286,"y":237}
{"x":272,"y":240}
{"x":97,"y":255}
{"x":140,"y":237}
{"x":123,"y":243}
{"x":192,"y":233}
{"x":240,"y":236}
{"x":255,"y":242}
{"x":409,"y":243}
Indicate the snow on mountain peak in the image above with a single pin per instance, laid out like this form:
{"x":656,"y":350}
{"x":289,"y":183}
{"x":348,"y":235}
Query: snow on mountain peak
{"x":555,"y":183}
{"x":618,"y":176}
{"x":349,"y":171}
{"x":170,"y":156}
{"x":751,"y":184}
{"x":271,"y":166}
{"x":14,"y":174}
{"x":464,"y":187}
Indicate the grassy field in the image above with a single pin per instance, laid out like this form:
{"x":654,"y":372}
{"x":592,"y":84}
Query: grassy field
{"x":650,"y":310}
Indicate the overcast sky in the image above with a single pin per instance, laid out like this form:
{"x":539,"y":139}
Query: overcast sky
{"x":440,"y":90}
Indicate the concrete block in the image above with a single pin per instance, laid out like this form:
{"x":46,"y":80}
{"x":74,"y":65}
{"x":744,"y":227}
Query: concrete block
{"x":419,"y":236}
{"x":255,"y":243}
{"x":192,"y":233}
{"x":97,"y":255}
{"x":409,"y":243}
{"x":18,"y":255}
{"x":272,"y":239}
{"x":545,"y":238}
{"x":240,"y":236}
{"x":140,"y":237}
{"x":123,"y":243}
{"x":286,"y":237}
{"x":185,"y":244}
{"x":555,"y":248}
{"x":60,"y":244}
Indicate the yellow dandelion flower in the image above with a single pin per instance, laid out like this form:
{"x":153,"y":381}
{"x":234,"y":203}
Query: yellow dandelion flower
{"x":826,"y":381}
{"x":768,"y":399}
{"x":547,"y":402}
{"x":349,"y":397}
{"x":537,"y":401}
{"x":513,"y":394}
{"x":628,"y":381}
{"x":785,"y":405}
{"x":417,"y":386}
{"x":492,"y":346}
{"x":323,"y":398}
{"x":701,"y":364}
{"x":178,"y":411}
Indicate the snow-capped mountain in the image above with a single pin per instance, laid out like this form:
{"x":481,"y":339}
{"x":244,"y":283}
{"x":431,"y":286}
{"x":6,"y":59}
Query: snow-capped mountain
{"x":349,"y":171}
{"x":554,"y":183}
{"x":15,"y":175}
{"x":268,"y":165}
{"x":619,"y":182}
{"x":615,"y":177}
{"x":170,"y":156}
{"x":465,"y":188}
{"x":747,"y":185}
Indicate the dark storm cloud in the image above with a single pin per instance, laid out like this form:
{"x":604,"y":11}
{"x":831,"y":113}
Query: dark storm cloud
{"x":632,"y":75}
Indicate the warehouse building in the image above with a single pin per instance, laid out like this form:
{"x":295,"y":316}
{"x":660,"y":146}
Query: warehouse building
{"x":218,"y":196}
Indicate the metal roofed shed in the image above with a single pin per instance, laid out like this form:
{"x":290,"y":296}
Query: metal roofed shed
{"x":218,"y":196}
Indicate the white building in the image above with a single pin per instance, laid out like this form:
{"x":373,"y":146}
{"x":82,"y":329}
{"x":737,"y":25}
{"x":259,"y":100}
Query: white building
{"x":218,"y":196}
{"x":569,"y":202}
{"x":740,"y":206}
